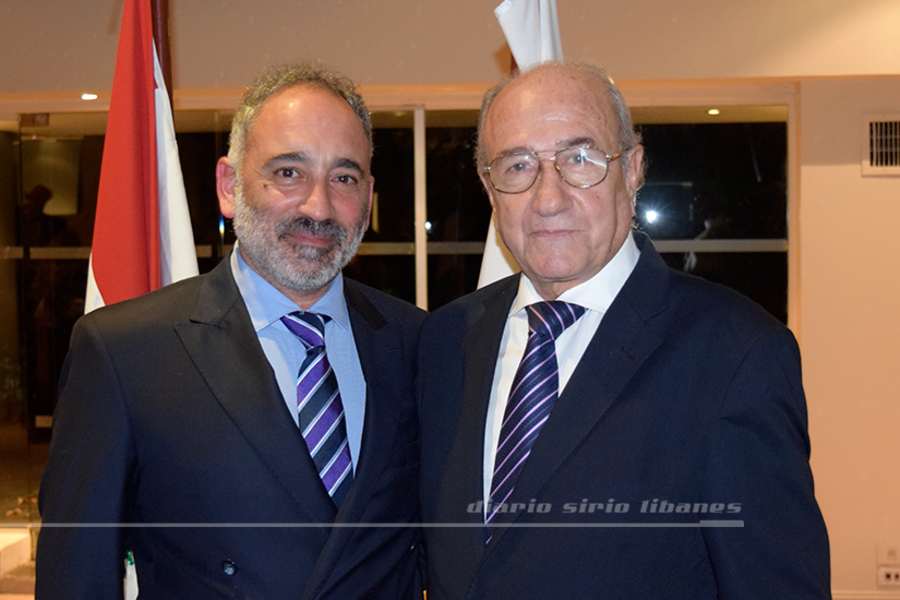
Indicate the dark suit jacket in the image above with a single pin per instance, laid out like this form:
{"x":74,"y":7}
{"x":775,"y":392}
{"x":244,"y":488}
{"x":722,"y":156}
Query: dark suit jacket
{"x":686,"y":406}
{"x":169,"y":414}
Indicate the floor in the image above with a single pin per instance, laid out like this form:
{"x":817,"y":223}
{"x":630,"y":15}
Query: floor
{"x":21,"y":467}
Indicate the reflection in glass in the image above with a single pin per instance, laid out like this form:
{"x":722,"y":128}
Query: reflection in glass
{"x":458,"y":208}
{"x":53,"y":299}
{"x":714,"y":181}
{"x":392,"y":167}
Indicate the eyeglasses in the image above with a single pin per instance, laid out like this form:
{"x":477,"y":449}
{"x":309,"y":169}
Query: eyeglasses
{"x":581,"y":167}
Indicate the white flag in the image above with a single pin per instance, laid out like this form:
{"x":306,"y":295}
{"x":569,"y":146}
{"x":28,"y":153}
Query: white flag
{"x":531,"y":30}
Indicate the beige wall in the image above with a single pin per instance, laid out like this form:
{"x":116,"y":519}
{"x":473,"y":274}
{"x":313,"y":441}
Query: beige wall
{"x":846,"y":292}
{"x":51,"y":45}
{"x":849,"y":324}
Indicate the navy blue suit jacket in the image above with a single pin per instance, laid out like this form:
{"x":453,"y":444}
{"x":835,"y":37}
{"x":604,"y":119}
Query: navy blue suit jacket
{"x":169,"y":414}
{"x":686,"y":408}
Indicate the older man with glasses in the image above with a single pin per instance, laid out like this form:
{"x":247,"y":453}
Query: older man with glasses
{"x":602,"y":426}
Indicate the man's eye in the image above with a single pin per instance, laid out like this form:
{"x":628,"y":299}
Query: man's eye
{"x":575,"y":158}
{"x":287,"y":172}
{"x":519,"y":165}
{"x":346,"y":180}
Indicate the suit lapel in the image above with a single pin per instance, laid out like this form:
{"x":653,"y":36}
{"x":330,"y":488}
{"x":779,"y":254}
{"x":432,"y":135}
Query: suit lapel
{"x":223,"y":345}
{"x":481,"y":347}
{"x":376,"y":342}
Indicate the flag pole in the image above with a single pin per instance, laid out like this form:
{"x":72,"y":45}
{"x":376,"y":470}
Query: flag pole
{"x":160,"y":16}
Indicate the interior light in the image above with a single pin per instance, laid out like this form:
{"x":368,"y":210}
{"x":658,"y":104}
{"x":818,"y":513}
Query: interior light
{"x":89,"y":96}
{"x":713,"y":111}
{"x":651,"y":216}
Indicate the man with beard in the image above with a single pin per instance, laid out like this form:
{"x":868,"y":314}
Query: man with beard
{"x":208,"y":430}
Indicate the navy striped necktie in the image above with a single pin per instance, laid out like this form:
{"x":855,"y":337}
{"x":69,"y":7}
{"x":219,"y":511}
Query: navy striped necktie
{"x":534,"y":390}
{"x":321,"y":412}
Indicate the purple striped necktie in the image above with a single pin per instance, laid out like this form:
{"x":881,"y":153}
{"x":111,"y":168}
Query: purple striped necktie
{"x":535,"y":388}
{"x":321,"y":413}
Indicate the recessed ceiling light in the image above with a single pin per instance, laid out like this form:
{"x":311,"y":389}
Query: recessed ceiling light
{"x":89,"y":96}
{"x":713,"y":111}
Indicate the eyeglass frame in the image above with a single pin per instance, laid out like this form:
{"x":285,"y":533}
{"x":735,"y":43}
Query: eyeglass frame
{"x":556,"y":152}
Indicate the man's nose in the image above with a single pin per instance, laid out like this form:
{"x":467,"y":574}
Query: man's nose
{"x":550,"y":195}
{"x":317,"y":205}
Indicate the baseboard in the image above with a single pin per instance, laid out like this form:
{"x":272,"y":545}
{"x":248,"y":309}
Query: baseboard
{"x":877,"y":595}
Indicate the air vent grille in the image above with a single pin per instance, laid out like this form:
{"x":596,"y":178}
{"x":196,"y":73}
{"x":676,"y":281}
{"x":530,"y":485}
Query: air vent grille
{"x":881,"y":154}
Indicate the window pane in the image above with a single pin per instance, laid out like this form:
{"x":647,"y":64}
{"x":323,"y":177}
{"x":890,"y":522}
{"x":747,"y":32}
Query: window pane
{"x":395,"y":275}
{"x":458,"y":207}
{"x":199,"y":154}
{"x":725,"y":180}
{"x":762,"y":276}
{"x":392,"y":167}
{"x":52,"y":300}
{"x":451,"y":276}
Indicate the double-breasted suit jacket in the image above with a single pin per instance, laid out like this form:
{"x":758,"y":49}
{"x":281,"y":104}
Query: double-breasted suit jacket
{"x":172,"y":436}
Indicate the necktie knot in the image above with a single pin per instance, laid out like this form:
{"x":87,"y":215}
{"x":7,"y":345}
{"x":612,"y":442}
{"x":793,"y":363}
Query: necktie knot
{"x":552,"y":318}
{"x":308,"y":326}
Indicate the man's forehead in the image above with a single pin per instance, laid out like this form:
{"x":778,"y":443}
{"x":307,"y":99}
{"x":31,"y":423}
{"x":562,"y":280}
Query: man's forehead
{"x":552,"y":86}
{"x":561,"y":108}
{"x":309,"y":114}
{"x":305,"y":99}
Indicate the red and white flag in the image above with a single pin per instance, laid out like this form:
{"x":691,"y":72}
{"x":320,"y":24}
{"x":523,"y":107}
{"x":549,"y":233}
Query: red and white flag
{"x":142,"y":232}
{"x":531,"y":29}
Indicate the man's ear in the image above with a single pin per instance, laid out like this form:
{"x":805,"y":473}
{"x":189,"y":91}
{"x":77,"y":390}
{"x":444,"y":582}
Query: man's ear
{"x":486,"y":182}
{"x":635,"y":168}
{"x":226,"y":182}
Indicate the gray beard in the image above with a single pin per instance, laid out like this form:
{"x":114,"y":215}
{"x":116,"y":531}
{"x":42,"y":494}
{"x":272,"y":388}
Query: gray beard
{"x":293,"y":266}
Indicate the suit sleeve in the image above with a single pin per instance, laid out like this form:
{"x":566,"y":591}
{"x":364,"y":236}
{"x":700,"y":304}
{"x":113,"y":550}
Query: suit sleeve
{"x":759,"y":459}
{"x":83,"y":496}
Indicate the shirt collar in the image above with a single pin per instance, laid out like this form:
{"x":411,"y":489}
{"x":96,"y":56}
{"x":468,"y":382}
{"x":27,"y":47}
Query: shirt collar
{"x":266,"y":304}
{"x":598,"y":292}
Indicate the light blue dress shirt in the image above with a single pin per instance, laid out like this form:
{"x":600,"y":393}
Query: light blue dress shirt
{"x":286,"y":353}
